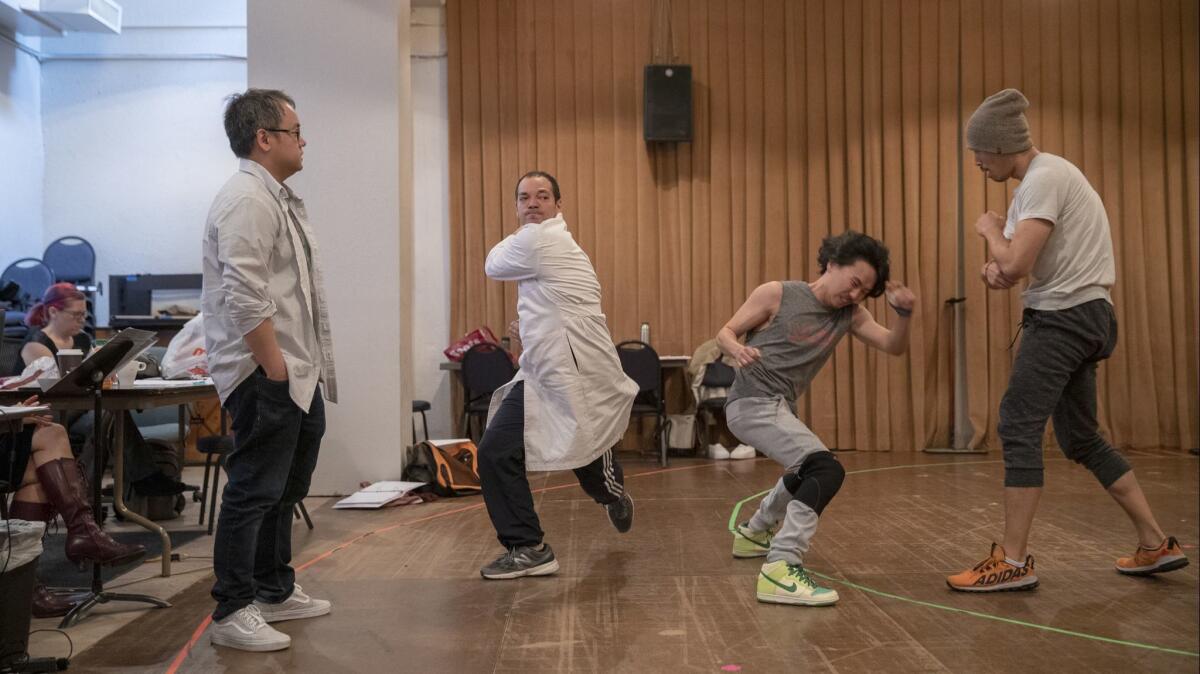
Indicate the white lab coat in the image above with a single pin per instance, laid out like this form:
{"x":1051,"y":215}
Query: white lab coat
{"x":577,"y":398}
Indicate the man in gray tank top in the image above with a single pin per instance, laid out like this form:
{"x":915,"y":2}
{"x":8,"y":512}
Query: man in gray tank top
{"x":790,"y":329}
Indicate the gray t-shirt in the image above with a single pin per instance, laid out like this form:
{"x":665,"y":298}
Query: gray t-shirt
{"x":794,"y":346}
{"x":1076,"y":264}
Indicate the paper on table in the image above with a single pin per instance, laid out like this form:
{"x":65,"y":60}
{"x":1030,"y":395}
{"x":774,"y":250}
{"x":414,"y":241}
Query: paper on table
{"x":377,"y":495}
{"x":17,"y":409}
{"x":158,"y":382}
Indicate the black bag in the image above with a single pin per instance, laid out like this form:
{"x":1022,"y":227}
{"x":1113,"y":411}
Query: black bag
{"x":158,"y":508}
{"x":449,"y":470}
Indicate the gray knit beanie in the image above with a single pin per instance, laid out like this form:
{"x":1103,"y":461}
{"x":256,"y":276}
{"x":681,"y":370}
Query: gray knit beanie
{"x":999,"y":124}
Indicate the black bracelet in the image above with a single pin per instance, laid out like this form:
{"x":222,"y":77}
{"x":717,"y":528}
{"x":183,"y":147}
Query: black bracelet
{"x":903,"y":313}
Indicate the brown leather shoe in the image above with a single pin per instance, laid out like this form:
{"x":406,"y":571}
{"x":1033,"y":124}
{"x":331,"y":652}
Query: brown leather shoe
{"x":46,"y":604}
{"x":63,"y":483}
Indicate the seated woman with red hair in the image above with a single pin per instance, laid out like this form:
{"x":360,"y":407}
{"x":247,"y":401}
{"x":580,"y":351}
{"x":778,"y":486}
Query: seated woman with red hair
{"x":57,"y":323}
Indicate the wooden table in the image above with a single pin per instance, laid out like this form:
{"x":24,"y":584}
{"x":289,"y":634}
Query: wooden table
{"x":123,"y":400}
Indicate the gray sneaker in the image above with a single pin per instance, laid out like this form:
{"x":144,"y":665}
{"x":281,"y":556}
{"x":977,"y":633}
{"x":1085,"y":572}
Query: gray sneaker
{"x":298,"y":605}
{"x":620,"y":512}
{"x":521,"y":561}
{"x":245,"y":630}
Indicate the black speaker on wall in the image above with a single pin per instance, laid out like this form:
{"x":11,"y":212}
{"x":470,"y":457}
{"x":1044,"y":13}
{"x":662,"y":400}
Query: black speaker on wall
{"x":668,"y":97}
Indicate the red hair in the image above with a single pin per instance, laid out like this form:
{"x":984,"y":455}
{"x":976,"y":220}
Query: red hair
{"x":55,"y":296}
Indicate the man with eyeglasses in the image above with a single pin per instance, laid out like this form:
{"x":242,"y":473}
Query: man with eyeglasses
{"x":266,"y":328}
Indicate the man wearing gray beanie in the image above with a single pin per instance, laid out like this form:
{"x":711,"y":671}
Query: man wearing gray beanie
{"x":1056,"y":234}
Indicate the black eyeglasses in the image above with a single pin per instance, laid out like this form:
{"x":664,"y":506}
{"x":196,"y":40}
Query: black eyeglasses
{"x":291,"y":132}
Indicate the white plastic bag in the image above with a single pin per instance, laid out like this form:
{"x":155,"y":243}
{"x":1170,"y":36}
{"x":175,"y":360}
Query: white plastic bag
{"x":41,"y":368}
{"x":185,"y":357}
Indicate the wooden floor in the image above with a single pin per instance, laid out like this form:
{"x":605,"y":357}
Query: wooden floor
{"x":668,"y":597}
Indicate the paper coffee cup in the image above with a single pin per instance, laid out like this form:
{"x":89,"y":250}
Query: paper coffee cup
{"x":68,"y":359}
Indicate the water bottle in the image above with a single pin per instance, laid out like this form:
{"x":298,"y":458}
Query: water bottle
{"x":645,"y":336}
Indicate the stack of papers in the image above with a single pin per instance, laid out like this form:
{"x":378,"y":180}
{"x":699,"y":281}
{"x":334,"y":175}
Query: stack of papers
{"x":378,"y":494}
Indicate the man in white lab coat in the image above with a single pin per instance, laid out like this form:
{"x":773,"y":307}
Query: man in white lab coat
{"x":570,"y":401}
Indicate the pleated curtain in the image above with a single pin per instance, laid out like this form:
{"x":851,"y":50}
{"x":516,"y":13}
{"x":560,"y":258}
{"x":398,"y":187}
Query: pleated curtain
{"x":814,"y":116}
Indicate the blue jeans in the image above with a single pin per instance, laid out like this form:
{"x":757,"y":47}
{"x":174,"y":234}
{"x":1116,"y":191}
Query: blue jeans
{"x":269,"y":471}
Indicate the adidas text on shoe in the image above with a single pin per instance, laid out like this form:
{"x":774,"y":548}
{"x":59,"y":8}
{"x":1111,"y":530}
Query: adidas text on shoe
{"x":748,"y":543}
{"x":995,"y":575}
{"x":298,"y":605}
{"x":1168,"y":556}
{"x":246,"y":630}
{"x":783,"y":583}
{"x":620,"y":513}
{"x":521,"y":561}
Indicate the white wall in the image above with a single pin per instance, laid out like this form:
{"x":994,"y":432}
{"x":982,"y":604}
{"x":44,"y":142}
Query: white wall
{"x":135,"y":151}
{"x":21,"y":156}
{"x":135,"y":148}
{"x":346,"y":64}
{"x":431,"y":216}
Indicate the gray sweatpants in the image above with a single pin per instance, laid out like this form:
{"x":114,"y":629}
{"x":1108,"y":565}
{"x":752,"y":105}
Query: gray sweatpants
{"x":770,"y":426}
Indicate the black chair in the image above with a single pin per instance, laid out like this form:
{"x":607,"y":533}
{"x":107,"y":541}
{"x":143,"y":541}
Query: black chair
{"x":485,"y":368}
{"x":71,"y":258}
{"x":214,"y":448}
{"x":33,"y":276}
{"x":421,"y":406}
{"x":641,"y":364}
{"x":7,"y":354}
{"x":716,"y":375}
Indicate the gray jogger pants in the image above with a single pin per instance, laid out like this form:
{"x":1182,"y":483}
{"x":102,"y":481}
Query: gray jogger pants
{"x":770,"y":426}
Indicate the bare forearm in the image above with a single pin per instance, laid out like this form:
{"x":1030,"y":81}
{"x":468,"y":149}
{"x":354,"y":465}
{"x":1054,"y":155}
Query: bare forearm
{"x":898,"y":339}
{"x":265,"y":347}
{"x":1003,"y":255}
{"x":728,"y":342}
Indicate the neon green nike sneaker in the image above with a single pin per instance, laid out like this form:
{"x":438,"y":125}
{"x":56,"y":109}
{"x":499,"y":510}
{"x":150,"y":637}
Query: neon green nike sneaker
{"x":783,"y":583}
{"x":750,"y":543}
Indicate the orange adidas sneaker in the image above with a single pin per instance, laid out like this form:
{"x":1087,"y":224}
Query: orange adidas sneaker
{"x":995,"y":575}
{"x":1166,"y":557}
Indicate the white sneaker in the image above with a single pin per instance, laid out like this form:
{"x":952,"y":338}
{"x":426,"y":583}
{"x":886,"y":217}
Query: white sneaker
{"x":716,"y":451}
{"x":298,"y":605}
{"x":246,"y":630}
{"x":742,"y":452}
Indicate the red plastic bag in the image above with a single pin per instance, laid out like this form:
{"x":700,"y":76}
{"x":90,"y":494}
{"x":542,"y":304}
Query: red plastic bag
{"x":481,"y":335}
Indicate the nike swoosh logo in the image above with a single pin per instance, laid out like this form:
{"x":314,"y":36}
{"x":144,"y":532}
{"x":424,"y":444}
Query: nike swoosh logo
{"x":789,"y":588}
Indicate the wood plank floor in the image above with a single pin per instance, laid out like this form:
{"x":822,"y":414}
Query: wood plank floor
{"x":668,"y":597}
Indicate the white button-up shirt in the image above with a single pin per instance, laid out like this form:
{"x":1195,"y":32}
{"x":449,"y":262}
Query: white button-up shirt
{"x":261,"y":261}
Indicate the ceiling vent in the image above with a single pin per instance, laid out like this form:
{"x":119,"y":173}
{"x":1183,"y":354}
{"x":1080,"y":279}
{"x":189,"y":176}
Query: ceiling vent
{"x":84,"y":16}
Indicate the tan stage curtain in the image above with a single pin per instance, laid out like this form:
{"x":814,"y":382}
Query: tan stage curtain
{"x":1113,"y":86}
{"x":813,"y":117}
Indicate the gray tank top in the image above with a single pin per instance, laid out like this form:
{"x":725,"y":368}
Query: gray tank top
{"x":794,"y":346}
